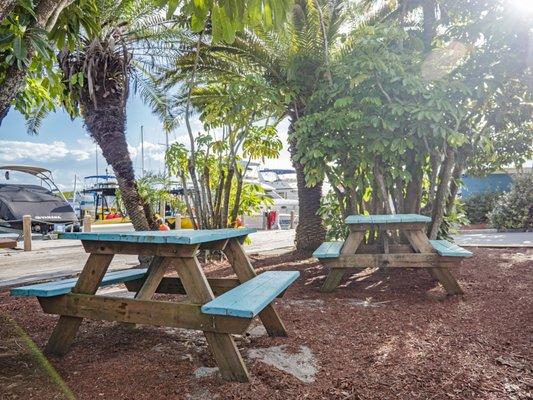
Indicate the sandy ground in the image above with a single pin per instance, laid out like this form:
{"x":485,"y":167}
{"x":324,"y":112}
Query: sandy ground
{"x":381,"y":335}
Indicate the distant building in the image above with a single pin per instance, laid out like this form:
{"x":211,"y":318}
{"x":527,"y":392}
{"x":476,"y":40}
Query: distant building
{"x":496,"y":182}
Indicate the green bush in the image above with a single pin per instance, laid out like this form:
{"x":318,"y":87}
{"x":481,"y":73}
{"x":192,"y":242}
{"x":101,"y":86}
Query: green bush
{"x":331,"y":214}
{"x":514,"y":210}
{"x":478,"y":207}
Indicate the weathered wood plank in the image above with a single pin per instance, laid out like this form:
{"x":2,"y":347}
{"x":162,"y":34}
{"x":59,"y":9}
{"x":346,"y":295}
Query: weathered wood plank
{"x":182,"y":236}
{"x":409,"y":260}
{"x":141,"y":249}
{"x":449,"y":249}
{"x":149,"y":312}
{"x":173,"y":285}
{"x":386,"y":219}
{"x":421,"y":244}
{"x":226,"y":354}
{"x":244,"y":270}
{"x":64,"y":286}
{"x":251,"y":297}
{"x":88,"y":282}
{"x":328,"y":250}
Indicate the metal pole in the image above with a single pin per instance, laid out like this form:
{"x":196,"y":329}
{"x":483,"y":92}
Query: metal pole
{"x":142,"y":151}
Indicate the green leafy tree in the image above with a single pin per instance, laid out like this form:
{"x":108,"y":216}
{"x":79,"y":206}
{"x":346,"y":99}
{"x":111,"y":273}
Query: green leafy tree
{"x":28,"y":33}
{"x":290,"y":62}
{"x":407,"y":110}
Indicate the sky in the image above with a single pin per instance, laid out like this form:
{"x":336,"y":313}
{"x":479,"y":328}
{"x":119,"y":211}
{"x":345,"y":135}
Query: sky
{"x":64,"y":146}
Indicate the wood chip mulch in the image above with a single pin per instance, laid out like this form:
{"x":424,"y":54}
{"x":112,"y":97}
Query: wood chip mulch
{"x":383,"y":335}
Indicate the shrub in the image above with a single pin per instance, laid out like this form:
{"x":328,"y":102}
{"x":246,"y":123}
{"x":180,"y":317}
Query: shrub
{"x":331,"y":214}
{"x":514,"y":210}
{"x":478,"y":207}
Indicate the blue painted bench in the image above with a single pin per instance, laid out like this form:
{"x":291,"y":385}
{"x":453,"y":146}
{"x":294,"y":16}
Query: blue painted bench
{"x":386,"y":219}
{"x":328,"y":250}
{"x":449,"y":249}
{"x":58,"y":288}
{"x":250,"y":298}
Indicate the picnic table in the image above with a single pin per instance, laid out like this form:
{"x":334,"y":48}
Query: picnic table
{"x":436,"y":256}
{"x":239,"y":299}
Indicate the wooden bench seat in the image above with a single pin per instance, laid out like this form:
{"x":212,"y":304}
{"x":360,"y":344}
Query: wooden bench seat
{"x":58,"y":288}
{"x":449,"y":249}
{"x":328,"y":250}
{"x":250,"y":298}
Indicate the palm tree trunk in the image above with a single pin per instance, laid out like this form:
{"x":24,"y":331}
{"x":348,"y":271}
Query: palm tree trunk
{"x":107,"y":125}
{"x":310,"y":232}
{"x":12,"y":85}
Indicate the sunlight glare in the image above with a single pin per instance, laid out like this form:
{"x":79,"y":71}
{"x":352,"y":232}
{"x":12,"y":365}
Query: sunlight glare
{"x":522,"y":6}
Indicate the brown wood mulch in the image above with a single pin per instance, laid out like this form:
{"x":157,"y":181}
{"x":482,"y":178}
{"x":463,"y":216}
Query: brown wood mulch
{"x":383,"y":335}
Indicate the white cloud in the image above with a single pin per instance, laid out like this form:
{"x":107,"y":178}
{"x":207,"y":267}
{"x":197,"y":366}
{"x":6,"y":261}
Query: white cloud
{"x":152,"y":151}
{"x":13,"y":151}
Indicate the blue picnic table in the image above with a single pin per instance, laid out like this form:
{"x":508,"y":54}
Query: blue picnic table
{"x":238,"y":299}
{"x":435,"y":256}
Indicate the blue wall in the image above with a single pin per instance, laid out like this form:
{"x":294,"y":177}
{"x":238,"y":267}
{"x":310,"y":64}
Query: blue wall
{"x":473,"y":185}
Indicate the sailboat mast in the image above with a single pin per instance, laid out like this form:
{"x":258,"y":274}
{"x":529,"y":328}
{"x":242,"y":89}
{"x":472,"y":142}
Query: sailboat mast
{"x":142,"y":151}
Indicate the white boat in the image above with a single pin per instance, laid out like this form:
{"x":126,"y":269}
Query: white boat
{"x":282,"y":180}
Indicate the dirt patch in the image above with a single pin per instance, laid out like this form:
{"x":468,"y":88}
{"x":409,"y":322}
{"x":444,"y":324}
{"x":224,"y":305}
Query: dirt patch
{"x":416,"y":343}
{"x":301,"y":364}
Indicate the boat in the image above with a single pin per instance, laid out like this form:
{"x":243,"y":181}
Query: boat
{"x":282,"y":180}
{"x":47,"y":206}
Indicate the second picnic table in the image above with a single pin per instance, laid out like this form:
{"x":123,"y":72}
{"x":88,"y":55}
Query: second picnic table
{"x":436,"y":256}
{"x":240,"y":299}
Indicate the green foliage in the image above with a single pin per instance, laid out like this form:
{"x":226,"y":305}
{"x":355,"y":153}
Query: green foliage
{"x":478,"y":207}
{"x":30,"y":48}
{"x":153,"y":189}
{"x":333,"y":218}
{"x":514,"y":209}
{"x":227,"y":17}
{"x":452,"y":221}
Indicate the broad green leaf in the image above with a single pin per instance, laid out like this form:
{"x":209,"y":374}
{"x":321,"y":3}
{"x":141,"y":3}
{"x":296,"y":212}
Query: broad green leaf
{"x":19,"y":48}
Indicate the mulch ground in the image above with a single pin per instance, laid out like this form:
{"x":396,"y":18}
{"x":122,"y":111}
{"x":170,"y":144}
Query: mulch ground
{"x":414,"y":343}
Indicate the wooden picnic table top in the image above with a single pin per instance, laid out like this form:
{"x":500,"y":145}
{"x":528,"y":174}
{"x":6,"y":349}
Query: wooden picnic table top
{"x":182,"y":236}
{"x":386,"y":219}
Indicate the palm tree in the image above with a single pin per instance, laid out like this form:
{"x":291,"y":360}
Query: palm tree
{"x":292,"y":61}
{"x":133,"y":34}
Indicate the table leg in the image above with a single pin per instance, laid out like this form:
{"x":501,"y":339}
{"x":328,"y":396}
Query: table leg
{"x":335,"y":275}
{"x":222,"y":346}
{"x":244,"y":270}
{"x":155,"y":274}
{"x":421,"y":244}
{"x":65,"y":331}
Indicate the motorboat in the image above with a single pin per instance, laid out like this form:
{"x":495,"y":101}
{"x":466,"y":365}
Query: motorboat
{"x":282,"y":180}
{"x":45,"y":203}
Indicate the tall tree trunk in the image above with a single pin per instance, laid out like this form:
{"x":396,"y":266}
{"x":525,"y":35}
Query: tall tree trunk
{"x":413,"y":193}
{"x":383,"y":192}
{"x":430,"y":26}
{"x":442,"y":192}
{"x":6,"y":7}
{"x":227,"y":192}
{"x":46,"y":14}
{"x":310,"y":232}
{"x":12,"y":85}
{"x":454,"y":187}
{"x":107,"y":124}
{"x":238,"y":194}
